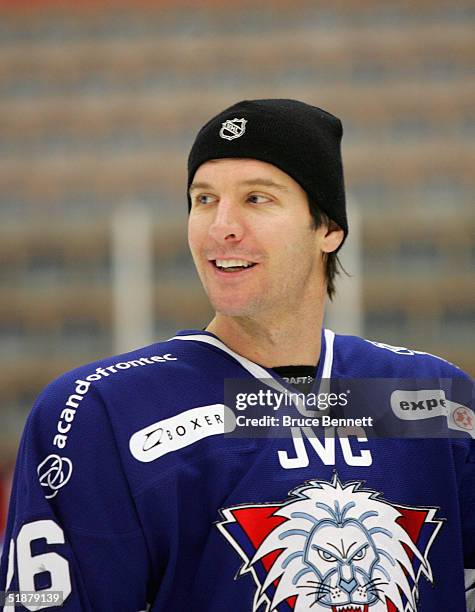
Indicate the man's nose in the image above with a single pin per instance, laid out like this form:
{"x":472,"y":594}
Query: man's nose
{"x":227,"y":222}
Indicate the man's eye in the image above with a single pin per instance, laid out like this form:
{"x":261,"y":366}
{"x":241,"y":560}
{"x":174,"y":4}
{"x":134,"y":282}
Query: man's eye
{"x":258,"y":199}
{"x":204,"y":199}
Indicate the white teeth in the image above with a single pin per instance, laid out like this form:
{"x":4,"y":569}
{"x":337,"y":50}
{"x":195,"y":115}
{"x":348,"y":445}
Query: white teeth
{"x":233,"y":263}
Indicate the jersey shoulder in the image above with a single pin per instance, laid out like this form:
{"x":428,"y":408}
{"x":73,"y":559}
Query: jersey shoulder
{"x":121,"y":375}
{"x":359,"y":357}
{"x":169,"y":354}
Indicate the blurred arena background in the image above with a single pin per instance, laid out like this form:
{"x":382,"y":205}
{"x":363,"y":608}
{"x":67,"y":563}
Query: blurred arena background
{"x":99,"y":104}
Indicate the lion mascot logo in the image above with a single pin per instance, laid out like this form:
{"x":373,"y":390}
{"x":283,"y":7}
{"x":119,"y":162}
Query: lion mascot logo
{"x":333,"y":548}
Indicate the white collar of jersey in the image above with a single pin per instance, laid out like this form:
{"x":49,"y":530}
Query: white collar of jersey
{"x":254,"y":368}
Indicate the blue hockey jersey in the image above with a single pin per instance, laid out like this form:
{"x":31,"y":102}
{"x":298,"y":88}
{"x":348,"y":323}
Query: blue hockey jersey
{"x":129,"y":496}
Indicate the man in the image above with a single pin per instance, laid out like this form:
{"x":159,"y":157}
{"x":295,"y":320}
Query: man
{"x":129,"y":495}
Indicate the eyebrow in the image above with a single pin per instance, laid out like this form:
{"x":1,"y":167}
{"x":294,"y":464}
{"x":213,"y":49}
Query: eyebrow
{"x":255,"y":181}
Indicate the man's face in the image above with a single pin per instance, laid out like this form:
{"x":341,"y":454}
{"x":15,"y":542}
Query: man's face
{"x":246,"y":211}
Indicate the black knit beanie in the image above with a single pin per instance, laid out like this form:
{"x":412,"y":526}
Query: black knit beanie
{"x":300,"y":139}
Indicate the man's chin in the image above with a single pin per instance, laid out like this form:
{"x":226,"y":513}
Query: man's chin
{"x":234,"y":308}
{"x":233,"y":312}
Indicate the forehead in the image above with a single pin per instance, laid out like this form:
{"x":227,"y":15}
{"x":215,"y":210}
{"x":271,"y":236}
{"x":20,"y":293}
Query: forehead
{"x":243,"y":170}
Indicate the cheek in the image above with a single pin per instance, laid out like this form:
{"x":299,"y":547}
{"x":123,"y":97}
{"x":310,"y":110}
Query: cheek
{"x":196,"y":234}
{"x":297,"y":247}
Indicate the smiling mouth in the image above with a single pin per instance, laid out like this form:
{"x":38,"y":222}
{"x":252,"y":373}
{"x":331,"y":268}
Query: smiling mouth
{"x":232,"y":265}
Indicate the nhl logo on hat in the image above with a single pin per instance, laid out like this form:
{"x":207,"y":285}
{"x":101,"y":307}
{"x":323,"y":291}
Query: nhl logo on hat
{"x":233,"y":128}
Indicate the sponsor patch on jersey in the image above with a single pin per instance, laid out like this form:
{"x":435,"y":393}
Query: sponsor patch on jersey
{"x":332,"y":547}
{"x":82,"y":388}
{"x":463,"y":418}
{"x":53,"y":473}
{"x":418,"y":404}
{"x":424,"y":404}
{"x":176,"y":432}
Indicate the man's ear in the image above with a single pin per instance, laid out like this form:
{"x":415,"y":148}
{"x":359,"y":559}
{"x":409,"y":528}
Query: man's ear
{"x":332,"y":238}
